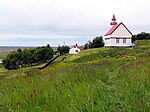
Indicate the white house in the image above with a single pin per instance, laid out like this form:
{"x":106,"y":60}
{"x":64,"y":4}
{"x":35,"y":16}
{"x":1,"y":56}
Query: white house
{"x":118,"y":35}
{"x":75,"y":49}
{"x":1,"y":60}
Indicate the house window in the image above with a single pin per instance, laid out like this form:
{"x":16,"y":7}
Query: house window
{"x":117,"y":40}
{"x":124,"y":40}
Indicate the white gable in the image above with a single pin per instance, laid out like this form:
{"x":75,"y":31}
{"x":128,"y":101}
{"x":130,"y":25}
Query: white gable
{"x":74,"y":50}
{"x":121,"y":31}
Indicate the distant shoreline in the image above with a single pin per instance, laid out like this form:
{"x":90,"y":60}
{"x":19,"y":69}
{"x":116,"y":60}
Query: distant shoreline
{"x":9,"y":48}
{"x":16,"y":47}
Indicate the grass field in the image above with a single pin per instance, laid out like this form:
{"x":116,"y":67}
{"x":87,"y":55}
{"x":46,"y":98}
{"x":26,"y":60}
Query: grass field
{"x":95,"y":80}
{"x":143,"y":42}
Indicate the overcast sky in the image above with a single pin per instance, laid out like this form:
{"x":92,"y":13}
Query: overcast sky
{"x":39,"y":22}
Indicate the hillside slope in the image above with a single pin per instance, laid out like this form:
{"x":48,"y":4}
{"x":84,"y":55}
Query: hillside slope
{"x":95,"y":80}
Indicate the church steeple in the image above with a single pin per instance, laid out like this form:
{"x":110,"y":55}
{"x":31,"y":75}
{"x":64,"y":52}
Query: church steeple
{"x":113,"y":22}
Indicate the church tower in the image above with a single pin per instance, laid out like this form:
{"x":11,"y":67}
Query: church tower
{"x":113,"y":22}
{"x":118,"y":35}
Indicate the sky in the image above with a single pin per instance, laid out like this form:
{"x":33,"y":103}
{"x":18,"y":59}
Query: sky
{"x":58,"y":22}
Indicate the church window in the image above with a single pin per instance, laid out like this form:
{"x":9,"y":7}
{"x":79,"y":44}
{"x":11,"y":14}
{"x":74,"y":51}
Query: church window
{"x":117,"y":40}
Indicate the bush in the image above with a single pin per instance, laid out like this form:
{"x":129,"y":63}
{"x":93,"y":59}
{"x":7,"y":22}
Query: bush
{"x":141,"y":36}
{"x":96,"y":42}
{"x":18,"y":58}
{"x":63,"y":49}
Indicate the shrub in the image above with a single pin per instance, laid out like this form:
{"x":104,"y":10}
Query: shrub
{"x":96,"y":42}
{"x":18,"y":58}
{"x":63,"y":49}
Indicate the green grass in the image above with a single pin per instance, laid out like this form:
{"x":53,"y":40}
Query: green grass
{"x":143,"y":42}
{"x":95,"y":80}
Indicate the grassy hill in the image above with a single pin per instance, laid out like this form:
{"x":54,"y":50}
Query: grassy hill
{"x":95,"y":80}
{"x":143,"y":43}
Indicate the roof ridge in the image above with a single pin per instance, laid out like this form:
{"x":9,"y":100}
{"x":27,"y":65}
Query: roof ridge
{"x":114,"y":27}
{"x":77,"y":47}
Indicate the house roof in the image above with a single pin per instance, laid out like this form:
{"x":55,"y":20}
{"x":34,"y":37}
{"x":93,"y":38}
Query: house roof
{"x":114,"y":28}
{"x":77,"y":47}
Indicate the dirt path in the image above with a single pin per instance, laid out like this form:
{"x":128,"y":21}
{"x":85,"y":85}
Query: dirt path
{"x":49,"y":63}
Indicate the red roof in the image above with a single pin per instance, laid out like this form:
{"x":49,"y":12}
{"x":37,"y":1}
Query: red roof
{"x":114,"y":28}
{"x":77,"y":47}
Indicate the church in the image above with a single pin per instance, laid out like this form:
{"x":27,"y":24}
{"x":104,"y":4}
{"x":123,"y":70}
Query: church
{"x":118,"y":35}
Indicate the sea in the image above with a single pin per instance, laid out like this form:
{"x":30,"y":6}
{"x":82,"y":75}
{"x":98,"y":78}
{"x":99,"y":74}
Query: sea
{"x":10,"y":48}
{"x":14,"y":47}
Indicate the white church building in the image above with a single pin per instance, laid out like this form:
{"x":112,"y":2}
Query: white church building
{"x":118,"y":35}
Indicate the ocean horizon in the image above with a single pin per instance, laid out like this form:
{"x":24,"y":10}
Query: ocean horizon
{"x":16,"y":47}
